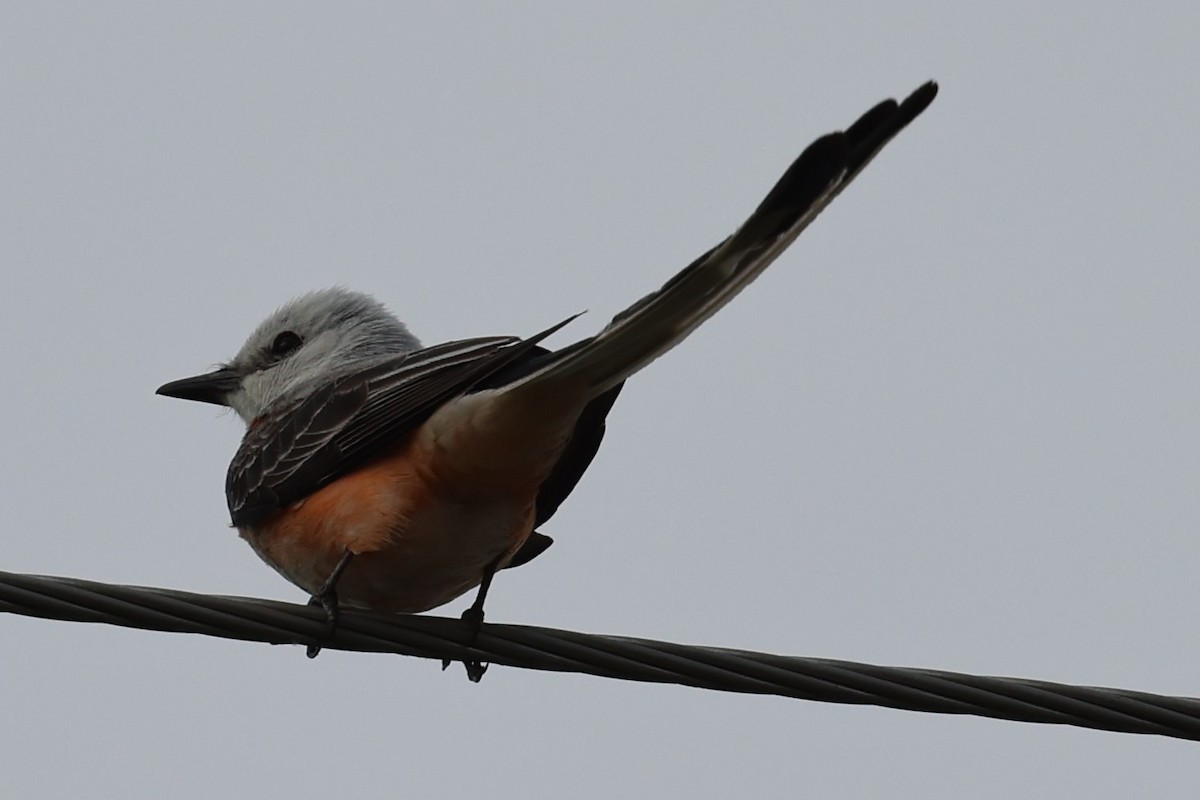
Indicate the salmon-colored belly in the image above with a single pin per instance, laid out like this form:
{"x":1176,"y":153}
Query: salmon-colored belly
{"x":416,"y":545}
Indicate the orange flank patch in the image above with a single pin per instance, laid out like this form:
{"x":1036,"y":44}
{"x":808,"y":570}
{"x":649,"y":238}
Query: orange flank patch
{"x":417,"y":542}
{"x":359,"y":511}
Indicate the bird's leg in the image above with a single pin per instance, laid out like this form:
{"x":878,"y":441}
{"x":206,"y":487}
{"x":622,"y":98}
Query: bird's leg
{"x":326,"y":597}
{"x":473,"y":616}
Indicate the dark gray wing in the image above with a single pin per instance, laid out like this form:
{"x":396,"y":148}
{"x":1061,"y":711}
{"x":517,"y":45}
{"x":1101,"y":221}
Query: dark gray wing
{"x":302,"y":444}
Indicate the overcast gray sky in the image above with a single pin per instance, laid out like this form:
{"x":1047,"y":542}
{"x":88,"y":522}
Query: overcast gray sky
{"x":955,"y":426}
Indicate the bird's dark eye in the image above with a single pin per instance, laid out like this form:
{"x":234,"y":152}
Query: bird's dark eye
{"x":285,"y":343}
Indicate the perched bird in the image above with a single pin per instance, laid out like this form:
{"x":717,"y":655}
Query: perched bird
{"x":380,"y":474}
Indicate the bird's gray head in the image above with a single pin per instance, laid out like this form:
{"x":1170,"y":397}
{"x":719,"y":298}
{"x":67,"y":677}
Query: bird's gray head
{"x":301,"y":346}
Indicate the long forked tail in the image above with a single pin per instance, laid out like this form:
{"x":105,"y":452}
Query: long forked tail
{"x":659,"y":321}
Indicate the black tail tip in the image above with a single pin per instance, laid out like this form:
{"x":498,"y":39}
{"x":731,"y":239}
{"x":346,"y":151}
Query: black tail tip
{"x":921,"y":97}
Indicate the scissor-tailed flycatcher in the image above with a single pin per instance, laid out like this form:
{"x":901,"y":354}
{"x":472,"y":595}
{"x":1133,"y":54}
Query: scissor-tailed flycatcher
{"x":383,"y":475}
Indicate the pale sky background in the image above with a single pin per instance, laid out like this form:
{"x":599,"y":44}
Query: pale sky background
{"x":954,"y":427}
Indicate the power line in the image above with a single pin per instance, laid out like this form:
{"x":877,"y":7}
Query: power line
{"x":528,"y":647}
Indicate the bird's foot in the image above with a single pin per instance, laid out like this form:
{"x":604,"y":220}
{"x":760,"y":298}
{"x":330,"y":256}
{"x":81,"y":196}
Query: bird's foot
{"x":473,"y":617}
{"x":327,"y":599}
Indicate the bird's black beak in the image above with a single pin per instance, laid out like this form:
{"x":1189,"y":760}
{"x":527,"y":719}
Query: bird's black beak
{"x":211,"y":387}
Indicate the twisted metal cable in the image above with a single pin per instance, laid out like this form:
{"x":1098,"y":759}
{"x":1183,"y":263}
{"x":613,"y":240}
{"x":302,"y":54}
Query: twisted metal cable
{"x":529,"y":647}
